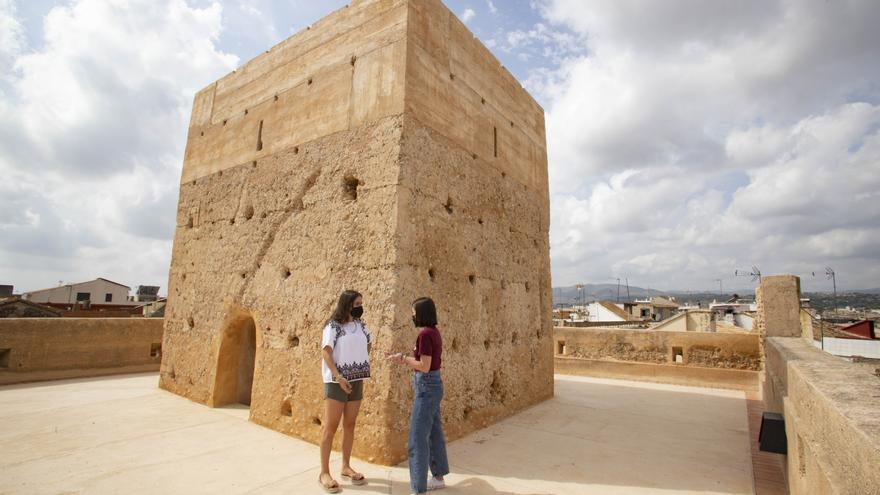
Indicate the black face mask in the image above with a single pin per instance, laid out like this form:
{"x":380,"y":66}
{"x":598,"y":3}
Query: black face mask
{"x":357,"y":311}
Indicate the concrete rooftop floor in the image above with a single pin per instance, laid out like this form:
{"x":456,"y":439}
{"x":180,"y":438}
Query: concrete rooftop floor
{"x":123,"y":435}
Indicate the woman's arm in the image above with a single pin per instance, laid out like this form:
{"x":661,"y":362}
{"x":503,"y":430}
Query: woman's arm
{"x":327,"y":354}
{"x":422,"y":364}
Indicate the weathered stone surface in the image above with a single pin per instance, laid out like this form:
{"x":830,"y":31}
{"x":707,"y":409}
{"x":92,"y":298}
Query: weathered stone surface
{"x":350,"y":156}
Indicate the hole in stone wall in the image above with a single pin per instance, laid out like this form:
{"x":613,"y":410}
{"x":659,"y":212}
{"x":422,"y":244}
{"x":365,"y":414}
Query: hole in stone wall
{"x":231,"y":221}
{"x":286,"y":409}
{"x":310,"y":81}
{"x":495,"y":388}
{"x":472,"y":279}
{"x":448,"y":205}
{"x":480,"y":221}
{"x":451,"y":76}
{"x":511,"y":123}
{"x":224,"y":121}
{"x":155,"y":350}
{"x":560,"y":347}
{"x":514,"y":338}
{"x":260,"y":137}
{"x":431,"y":274}
{"x":353,"y":60}
{"x":276,"y":98}
{"x":455,"y":343}
{"x":528,"y":287}
{"x":486,"y":344}
{"x":189,"y":222}
{"x":495,"y":140}
{"x":243,"y":274}
{"x":350,"y":187}
{"x":183,"y":277}
{"x":249,"y":212}
{"x":190,"y":322}
{"x":264,"y":215}
{"x":245,"y":111}
{"x":285,"y":273}
{"x":293,"y":341}
{"x":4,"y":357}
{"x":483,"y":101}
{"x":202,"y":134}
{"x":503,"y":174}
{"x":467,"y":412}
{"x":677,"y":355}
{"x":220,"y":174}
{"x":254,"y":164}
{"x":316,"y":420}
{"x":474,"y":156}
{"x":296,"y":150}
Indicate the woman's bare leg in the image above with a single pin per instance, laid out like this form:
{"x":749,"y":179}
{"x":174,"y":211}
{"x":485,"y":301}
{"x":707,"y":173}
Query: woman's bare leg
{"x":333,"y":410}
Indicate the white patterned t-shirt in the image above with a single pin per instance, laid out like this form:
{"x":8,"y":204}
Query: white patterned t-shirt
{"x":349,"y":343}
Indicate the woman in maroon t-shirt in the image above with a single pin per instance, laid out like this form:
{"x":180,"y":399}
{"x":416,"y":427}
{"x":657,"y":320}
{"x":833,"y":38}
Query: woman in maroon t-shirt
{"x":427,"y":444}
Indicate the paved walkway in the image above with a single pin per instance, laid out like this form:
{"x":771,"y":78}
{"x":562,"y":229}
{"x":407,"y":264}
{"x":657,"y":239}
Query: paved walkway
{"x":123,"y":435}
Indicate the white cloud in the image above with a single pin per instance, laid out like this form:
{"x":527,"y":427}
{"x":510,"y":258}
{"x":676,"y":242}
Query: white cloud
{"x":693,"y":138}
{"x":11,"y":34}
{"x":467,"y":15}
{"x":491,"y":6}
{"x":92,"y":139}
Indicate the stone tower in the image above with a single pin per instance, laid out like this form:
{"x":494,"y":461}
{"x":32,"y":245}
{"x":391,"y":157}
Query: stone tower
{"x":383,"y":149}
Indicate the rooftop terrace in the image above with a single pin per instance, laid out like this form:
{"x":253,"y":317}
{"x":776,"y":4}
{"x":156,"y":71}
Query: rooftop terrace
{"x":122,"y":434}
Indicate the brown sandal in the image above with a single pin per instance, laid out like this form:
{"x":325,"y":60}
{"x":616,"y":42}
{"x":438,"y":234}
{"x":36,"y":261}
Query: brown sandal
{"x":332,"y":487}
{"x":355,"y":477}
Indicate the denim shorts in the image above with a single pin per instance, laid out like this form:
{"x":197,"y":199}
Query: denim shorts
{"x":334,"y":391}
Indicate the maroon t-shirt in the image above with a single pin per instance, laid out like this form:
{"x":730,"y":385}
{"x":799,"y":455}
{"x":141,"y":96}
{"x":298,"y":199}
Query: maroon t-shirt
{"x":429,"y":343}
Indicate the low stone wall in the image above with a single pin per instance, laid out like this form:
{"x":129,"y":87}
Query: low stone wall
{"x":720,"y":360}
{"x":34,"y":349}
{"x":831,"y":421}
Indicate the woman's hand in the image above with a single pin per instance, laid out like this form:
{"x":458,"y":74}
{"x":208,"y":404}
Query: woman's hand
{"x":394,"y":358}
{"x":346,"y":387}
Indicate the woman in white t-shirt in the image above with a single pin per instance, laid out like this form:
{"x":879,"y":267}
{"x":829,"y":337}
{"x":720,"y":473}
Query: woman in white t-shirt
{"x":345,"y":365}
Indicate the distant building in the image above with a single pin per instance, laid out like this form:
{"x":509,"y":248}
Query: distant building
{"x":6,"y":290}
{"x":101,"y":292}
{"x":146,"y":293}
{"x":863,"y":329}
{"x":654,"y":309}
{"x":736,"y":312}
{"x":16,"y":307}
{"x":606,"y":311}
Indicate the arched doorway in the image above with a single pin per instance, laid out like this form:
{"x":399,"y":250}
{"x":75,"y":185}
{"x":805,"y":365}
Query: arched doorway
{"x":236,"y":361}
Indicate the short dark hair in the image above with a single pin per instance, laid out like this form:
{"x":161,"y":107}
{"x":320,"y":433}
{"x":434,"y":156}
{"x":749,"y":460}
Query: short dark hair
{"x":426,"y":312}
{"x":344,"y":305}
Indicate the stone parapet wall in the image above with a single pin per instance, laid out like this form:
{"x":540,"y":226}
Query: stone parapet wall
{"x":707,"y":350}
{"x":34,"y":349}
{"x":830,"y":408}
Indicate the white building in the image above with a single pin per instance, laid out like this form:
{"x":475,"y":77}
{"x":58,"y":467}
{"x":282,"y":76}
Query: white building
{"x":99,"y":291}
{"x":606,"y":311}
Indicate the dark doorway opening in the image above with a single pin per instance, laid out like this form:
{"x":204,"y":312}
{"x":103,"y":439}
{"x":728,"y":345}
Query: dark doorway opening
{"x":236,"y":362}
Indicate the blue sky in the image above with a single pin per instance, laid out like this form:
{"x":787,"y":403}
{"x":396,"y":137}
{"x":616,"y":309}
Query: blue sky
{"x":687,"y":139}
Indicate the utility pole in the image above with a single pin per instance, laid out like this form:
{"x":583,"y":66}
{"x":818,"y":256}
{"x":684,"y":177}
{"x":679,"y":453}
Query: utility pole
{"x":829,"y":272}
{"x":628,"y":299}
{"x":720,"y":286}
{"x":618,"y":289}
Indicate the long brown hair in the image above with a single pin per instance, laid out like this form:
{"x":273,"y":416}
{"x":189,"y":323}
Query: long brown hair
{"x":344,"y":305}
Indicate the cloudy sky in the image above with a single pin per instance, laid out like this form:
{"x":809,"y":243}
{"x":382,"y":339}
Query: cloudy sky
{"x":687,"y":138}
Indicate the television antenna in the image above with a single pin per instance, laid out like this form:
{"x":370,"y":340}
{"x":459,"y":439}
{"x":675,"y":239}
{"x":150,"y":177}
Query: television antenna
{"x":830,"y":275}
{"x":754,"y":273}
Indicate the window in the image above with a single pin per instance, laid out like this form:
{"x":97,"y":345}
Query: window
{"x":4,"y":357}
{"x":156,"y":350}
{"x":108,"y":297}
{"x":83,"y":296}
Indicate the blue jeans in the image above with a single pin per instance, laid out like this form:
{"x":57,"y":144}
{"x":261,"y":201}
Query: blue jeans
{"x":427,"y":445}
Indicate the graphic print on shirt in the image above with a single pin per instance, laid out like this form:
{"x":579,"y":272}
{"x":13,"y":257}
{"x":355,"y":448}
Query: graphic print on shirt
{"x":349,"y":343}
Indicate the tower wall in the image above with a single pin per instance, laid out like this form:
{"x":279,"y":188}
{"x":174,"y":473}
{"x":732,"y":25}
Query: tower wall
{"x":347,"y":157}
